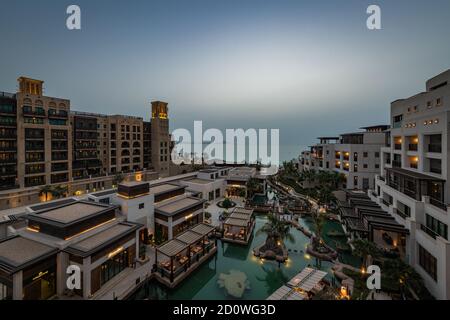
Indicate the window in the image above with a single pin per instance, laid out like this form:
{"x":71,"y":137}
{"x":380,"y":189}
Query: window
{"x":377,"y":154}
{"x":377,"y":166}
{"x":141,"y":205}
{"x":428,"y":262}
{"x":355,"y":182}
{"x":365,"y":183}
{"x":438,"y":102}
{"x":365,"y":154}
{"x":365,"y":166}
{"x":429,"y":104}
{"x":355,"y":168}
{"x":437,"y":226}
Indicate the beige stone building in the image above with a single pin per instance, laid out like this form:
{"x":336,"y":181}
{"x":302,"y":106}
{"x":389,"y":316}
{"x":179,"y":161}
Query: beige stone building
{"x":43,"y":142}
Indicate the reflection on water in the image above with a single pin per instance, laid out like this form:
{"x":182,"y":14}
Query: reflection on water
{"x":261,"y":277}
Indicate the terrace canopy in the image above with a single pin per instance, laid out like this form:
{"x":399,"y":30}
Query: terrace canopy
{"x":287,"y":293}
{"x":177,"y":255}
{"x":239,"y":225}
{"x":307,"y":279}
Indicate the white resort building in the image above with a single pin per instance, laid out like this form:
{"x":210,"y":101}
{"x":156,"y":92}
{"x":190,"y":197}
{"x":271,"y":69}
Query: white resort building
{"x":355,"y":155}
{"x":413,"y":183}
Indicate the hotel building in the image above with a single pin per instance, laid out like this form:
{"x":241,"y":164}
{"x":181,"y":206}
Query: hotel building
{"x":413,"y":185}
{"x":355,"y":155}
{"x":85,"y":234}
{"x":43,"y":142}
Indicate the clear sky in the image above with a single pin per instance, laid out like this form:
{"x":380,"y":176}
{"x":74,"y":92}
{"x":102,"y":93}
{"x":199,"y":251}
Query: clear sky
{"x":309,"y":68}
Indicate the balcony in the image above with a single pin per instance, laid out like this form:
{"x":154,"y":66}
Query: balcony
{"x":33,"y":113}
{"x":436,"y":148}
{"x":8,"y":160}
{"x":439,"y":204}
{"x":428,"y":231}
{"x":412,"y":147}
{"x":415,"y":184}
{"x":396,"y":164}
{"x":385,"y":202}
{"x":61,"y":114}
{"x":396,"y":125}
{"x":401,"y":213}
{"x":398,"y":146}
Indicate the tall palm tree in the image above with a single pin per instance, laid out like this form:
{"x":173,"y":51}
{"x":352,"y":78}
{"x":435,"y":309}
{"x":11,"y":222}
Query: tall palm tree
{"x":59,"y":191}
{"x":277,"y":231}
{"x":118,"y":178}
{"x":319,"y":219}
{"x":45,"y":190}
{"x":364,"y":248}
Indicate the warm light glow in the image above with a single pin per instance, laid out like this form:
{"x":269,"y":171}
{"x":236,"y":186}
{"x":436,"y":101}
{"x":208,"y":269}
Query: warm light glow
{"x":395,"y":243}
{"x":416,"y":140}
{"x":307,"y":256}
{"x":363,"y":271}
{"x":113,"y":253}
{"x":32,"y":229}
{"x":92,"y":228}
{"x":189,"y":216}
{"x":138,"y":177}
{"x":78,"y":193}
{"x":40,"y":275}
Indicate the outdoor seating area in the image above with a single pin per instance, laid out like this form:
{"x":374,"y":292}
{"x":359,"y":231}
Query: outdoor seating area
{"x":238,"y":227}
{"x":176,"y":258}
{"x":363,"y":218}
{"x":302,"y":287}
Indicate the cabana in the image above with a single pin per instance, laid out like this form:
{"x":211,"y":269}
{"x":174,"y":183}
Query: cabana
{"x":176,"y":258}
{"x":302,"y":286}
{"x":238,"y":227}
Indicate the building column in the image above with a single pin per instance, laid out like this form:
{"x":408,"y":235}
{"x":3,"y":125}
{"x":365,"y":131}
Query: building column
{"x":18,"y":285}
{"x":169,"y":227}
{"x":86,"y":278}
{"x":62,"y":262}
{"x":137,"y":247}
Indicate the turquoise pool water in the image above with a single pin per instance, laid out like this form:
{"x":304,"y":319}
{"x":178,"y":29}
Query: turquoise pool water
{"x":263,"y":277}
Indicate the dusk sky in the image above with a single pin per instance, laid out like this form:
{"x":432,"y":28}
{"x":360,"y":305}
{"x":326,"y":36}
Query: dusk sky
{"x":307,"y":68}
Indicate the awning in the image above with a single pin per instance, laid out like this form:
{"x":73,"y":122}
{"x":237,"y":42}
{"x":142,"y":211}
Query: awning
{"x":172,"y":248}
{"x":413,"y":174}
{"x":286,"y":293}
{"x":307,"y":279}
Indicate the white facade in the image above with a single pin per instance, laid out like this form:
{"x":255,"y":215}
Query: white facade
{"x":355,"y":155}
{"x":413,"y":185}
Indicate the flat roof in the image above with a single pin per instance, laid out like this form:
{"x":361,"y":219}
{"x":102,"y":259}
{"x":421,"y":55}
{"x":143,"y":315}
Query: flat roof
{"x":200,"y":181}
{"x":18,"y":252}
{"x":72,"y":212}
{"x":166,"y":187}
{"x":133,"y":183}
{"x":103,"y":193}
{"x":107,"y":236}
{"x":190,"y":237}
{"x":53,"y":204}
{"x":179,"y":205}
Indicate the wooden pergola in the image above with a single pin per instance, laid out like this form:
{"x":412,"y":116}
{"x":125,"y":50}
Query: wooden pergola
{"x":184,"y":250}
{"x":240,"y":218}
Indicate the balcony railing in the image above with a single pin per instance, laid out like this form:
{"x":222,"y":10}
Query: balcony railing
{"x":437,"y":148}
{"x":437,"y":203}
{"x":436,"y":170}
{"x":57,"y":114}
{"x":34,"y":113}
{"x":398,"y":146}
{"x":396,"y":164}
{"x":428,"y":231}
{"x":385,"y":202}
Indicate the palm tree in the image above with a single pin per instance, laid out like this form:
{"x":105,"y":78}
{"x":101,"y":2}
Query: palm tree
{"x":252,"y":187}
{"x":45,"y":190}
{"x":364,"y":248}
{"x":319,"y":219}
{"x":325,"y":196}
{"x":404,"y":275}
{"x":118,"y":178}
{"x":59,"y":191}
{"x":277,"y":231}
